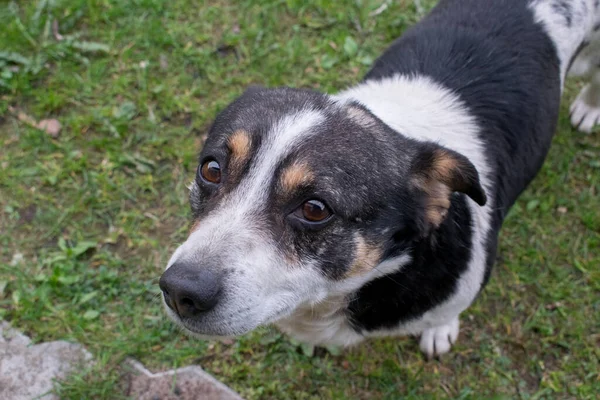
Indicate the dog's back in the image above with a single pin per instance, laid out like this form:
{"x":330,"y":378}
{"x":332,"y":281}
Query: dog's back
{"x":507,"y":71}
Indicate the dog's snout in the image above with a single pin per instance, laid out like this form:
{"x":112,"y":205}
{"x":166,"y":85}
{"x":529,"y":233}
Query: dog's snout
{"x":190,"y":289}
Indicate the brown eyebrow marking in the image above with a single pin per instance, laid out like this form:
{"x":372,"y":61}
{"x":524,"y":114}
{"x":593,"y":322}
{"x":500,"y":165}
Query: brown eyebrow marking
{"x":297,"y":174}
{"x":366,"y":258}
{"x":239,"y":144}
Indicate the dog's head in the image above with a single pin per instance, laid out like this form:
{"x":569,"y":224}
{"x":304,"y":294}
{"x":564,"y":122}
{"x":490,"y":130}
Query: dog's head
{"x":298,"y":196}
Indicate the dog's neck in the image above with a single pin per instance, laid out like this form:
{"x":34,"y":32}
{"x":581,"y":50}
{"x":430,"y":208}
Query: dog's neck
{"x":419,"y":108}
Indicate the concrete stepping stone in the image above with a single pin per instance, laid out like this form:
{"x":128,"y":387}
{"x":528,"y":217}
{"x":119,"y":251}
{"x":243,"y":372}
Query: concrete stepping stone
{"x":28,"y":371}
{"x":180,"y":384}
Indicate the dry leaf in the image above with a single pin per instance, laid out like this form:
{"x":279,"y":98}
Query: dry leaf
{"x":21,"y":116}
{"x":51,"y":126}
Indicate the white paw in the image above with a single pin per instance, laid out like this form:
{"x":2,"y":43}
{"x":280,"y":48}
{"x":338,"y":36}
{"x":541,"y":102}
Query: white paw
{"x":438,"y":340}
{"x":585,"y":110}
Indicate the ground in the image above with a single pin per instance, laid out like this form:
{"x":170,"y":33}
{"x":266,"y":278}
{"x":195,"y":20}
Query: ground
{"x":88,"y":217}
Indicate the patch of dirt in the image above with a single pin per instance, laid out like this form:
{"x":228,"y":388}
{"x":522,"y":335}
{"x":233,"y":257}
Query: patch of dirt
{"x":27,"y":214}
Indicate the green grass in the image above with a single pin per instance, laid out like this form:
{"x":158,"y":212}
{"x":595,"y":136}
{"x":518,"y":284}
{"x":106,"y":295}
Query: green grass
{"x":96,"y":212}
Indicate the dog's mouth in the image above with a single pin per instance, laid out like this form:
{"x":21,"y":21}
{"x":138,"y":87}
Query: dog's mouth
{"x":219,"y":324}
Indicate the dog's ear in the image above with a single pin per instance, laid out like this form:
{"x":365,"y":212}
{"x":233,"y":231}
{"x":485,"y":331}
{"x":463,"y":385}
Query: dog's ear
{"x":438,"y":172}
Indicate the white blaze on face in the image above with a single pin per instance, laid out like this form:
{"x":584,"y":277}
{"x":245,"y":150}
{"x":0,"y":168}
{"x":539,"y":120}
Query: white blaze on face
{"x":236,"y":214}
{"x":281,"y":140}
{"x":231,"y":235}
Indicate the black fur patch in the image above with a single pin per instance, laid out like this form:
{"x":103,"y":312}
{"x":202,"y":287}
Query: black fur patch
{"x":417,"y":288}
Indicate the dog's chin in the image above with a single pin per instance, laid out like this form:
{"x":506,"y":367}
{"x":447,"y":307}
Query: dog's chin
{"x":202,"y":336}
{"x":208,"y":332}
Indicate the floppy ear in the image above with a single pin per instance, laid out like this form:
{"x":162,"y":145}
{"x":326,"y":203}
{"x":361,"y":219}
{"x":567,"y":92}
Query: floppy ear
{"x":438,"y":172}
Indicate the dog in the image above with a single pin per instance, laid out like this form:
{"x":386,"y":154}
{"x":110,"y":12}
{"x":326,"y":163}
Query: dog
{"x":376,"y":211}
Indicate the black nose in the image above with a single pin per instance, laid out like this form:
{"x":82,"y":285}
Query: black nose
{"x":190,"y":289}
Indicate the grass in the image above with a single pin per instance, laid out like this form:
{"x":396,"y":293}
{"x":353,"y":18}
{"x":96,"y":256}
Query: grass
{"x":88,"y":219}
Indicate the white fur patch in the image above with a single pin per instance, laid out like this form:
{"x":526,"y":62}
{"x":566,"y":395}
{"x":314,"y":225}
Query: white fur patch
{"x":422,"y":109}
{"x":283,"y":138}
{"x":323,"y":321}
{"x":567,"y":37}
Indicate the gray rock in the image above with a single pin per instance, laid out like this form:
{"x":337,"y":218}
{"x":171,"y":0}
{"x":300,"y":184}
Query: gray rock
{"x":179,"y":384}
{"x":29,"y":371}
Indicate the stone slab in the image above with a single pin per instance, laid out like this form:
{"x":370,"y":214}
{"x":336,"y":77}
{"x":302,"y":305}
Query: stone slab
{"x":180,"y":384}
{"x":29,"y":371}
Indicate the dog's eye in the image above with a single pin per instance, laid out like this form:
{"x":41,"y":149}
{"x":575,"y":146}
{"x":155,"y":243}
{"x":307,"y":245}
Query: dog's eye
{"x":315,"y":211}
{"x":210,"y":171}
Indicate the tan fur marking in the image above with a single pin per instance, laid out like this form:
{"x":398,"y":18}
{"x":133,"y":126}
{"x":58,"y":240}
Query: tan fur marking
{"x":438,"y":203}
{"x":195,"y":226}
{"x":295,"y":175}
{"x":366,"y":258}
{"x":444,"y":166}
{"x":436,"y":184}
{"x":239,"y":143}
{"x":360,"y":116}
